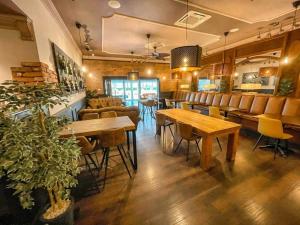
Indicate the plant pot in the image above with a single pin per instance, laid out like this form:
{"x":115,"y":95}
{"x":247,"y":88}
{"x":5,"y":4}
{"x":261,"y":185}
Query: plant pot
{"x":67,"y":218}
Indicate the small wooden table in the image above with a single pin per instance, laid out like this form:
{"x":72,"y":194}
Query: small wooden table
{"x":228,"y":109}
{"x":96,"y":126}
{"x":208,"y":128}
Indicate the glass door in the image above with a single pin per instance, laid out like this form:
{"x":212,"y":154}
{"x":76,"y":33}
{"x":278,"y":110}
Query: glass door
{"x":131,"y":92}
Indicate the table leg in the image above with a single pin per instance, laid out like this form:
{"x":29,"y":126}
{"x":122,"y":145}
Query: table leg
{"x":134,"y":150}
{"x":206,"y":154}
{"x":192,"y":106}
{"x":225,"y":113}
{"x":128,"y":141}
{"x":232,"y":144}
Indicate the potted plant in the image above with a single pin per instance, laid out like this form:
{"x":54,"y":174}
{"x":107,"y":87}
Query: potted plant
{"x":32,"y":155}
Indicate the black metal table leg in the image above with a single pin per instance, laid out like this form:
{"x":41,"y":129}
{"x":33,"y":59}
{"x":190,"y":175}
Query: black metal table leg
{"x":134,"y":150}
{"x":128,"y":141}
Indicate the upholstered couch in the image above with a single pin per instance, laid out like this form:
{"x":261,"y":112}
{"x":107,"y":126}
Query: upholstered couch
{"x":249,"y":105}
{"x":111,"y":104}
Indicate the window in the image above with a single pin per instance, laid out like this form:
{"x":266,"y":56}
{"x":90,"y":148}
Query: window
{"x":202,"y":83}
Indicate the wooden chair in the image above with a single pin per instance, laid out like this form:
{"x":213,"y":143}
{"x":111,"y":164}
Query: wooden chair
{"x":87,"y":150}
{"x":272,"y":128}
{"x":109,"y":114}
{"x":215,"y":112}
{"x":90,"y":116}
{"x":161,"y":121}
{"x":185,"y":106}
{"x":110,"y":139}
{"x":186,"y":133}
{"x":169,"y":104}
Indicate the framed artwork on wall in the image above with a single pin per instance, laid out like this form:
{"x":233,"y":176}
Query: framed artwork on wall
{"x":252,"y":77}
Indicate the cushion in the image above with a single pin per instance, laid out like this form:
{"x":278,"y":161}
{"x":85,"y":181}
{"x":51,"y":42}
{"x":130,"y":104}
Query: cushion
{"x":217,"y":100}
{"x":259,"y":104}
{"x":246,"y":102}
{"x":210,"y":98}
{"x":203,"y":97}
{"x":192,"y":97}
{"x":235,"y":100}
{"x":291,"y":107}
{"x":225,"y":99}
{"x":274,"y":105}
{"x":197,"y":97}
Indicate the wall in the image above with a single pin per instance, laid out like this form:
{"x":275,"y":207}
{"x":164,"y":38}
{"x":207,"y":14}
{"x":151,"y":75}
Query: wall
{"x":14,"y":51}
{"x":48,"y":27}
{"x":100,"y":68}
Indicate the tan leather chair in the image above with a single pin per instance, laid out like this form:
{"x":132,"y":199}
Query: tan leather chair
{"x":217,"y":100}
{"x":274,"y":105}
{"x":246,"y":102}
{"x":225,"y":99}
{"x":203,"y":98}
{"x":109,"y":114}
{"x":186,"y":133}
{"x":291,"y":107}
{"x":259,"y":104}
{"x":235,"y":101}
{"x":187,"y":96}
{"x":192,"y":97}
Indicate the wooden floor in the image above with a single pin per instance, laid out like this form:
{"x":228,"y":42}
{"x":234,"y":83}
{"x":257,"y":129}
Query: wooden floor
{"x":166,"y":189}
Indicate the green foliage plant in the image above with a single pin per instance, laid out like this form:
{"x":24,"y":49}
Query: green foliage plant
{"x":32,"y":154}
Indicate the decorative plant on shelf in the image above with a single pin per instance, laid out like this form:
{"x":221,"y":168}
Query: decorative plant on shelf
{"x":286,"y":87}
{"x":32,"y":155}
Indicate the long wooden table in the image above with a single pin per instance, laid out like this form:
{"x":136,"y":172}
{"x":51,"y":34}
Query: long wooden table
{"x":96,"y":126}
{"x":208,"y":128}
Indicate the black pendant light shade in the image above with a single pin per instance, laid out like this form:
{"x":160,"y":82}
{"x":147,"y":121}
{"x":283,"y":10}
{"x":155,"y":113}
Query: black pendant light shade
{"x":186,"y":58}
{"x":134,"y":75}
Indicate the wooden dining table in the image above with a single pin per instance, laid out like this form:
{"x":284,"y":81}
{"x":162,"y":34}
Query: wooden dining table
{"x":208,"y":128}
{"x":96,"y":126}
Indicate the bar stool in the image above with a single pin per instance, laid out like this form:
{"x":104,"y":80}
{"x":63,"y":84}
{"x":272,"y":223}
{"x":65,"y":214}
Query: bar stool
{"x":109,"y":114}
{"x":162,"y":121}
{"x":87,"y":150}
{"x":90,"y":116}
{"x":110,"y":139}
{"x":186,"y":133}
{"x":148,"y":107}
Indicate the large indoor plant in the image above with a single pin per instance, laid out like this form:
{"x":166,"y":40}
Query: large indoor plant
{"x":32,"y":155}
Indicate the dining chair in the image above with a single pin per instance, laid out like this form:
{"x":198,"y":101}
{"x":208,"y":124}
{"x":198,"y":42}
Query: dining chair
{"x":272,"y":128}
{"x":162,"y":121}
{"x":109,"y":114}
{"x":215,"y":112}
{"x":169,"y":104}
{"x":185,"y":106}
{"x":186,"y":133}
{"x":90,"y":116}
{"x":88,"y":151}
{"x":113,"y":138}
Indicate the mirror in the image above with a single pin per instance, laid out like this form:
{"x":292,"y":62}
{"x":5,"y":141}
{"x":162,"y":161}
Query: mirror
{"x":257,"y":73}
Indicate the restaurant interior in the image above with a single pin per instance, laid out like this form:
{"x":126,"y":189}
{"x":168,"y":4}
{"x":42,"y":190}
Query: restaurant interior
{"x":130,"y":112}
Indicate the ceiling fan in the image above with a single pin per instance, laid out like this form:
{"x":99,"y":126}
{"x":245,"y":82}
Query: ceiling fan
{"x":155,"y":54}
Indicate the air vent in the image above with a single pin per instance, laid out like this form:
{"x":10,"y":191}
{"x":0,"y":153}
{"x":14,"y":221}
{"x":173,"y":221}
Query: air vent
{"x":193,"y":19}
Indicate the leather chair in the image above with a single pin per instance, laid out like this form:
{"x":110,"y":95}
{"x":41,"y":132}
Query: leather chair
{"x":291,"y":107}
{"x":197,"y":97}
{"x":203,"y":98}
{"x":209,"y":99}
{"x":192,"y":97}
{"x":225,"y":99}
{"x":235,"y":101}
{"x":275,"y":105}
{"x":217,"y":100}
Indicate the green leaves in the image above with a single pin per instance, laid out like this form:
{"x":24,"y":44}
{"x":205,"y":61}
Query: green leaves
{"x":32,"y":155}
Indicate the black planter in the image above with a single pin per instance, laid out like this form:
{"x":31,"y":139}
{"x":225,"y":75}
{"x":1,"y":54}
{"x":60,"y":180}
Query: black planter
{"x":67,"y":218}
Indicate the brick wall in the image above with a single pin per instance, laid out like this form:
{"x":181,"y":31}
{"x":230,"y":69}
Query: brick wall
{"x":100,"y":68}
{"x":34,"y":72}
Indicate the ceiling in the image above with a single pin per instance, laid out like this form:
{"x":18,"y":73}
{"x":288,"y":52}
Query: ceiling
{"x":8,"y":7}
{"x":116,"y":32}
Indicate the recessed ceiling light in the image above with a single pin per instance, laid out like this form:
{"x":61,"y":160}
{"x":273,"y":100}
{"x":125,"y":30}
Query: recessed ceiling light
{"x":114,"y":4}
{"x":234,"y":30}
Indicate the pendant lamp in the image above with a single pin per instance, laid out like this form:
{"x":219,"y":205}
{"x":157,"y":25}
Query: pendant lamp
{"x":133,"y":75}
{"x":186,"y":58}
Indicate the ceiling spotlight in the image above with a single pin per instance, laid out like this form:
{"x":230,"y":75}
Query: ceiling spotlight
{"x":233,"y":30}
{"x":83,"y":69}
{"x":114,"y":4}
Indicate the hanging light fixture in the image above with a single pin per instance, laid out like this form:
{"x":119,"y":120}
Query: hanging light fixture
{"x":186,"y":58}
{"x":133,"y":75}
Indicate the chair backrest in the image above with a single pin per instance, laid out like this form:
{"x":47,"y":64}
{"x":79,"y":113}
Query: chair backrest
{"x":259,"y":104}
{"x":270,"y":127}
{"x":203,"y":97}
{"x":225,"y":99}
{"x":214,"y":111}
{"x":85,"y":145}
{"x":109,"y":114}
{"x":192,"y":97}
{"x":274,"y":105}
{"x":90,"y":116}
{"x":217,"y":99}
{"x":185,"y":130}
{"x":112,"y":137}
{"x":210,"y":98}
{"x":235,"y":101}
{"x":197,"y":97}
{"x":291,"y":107}
{"x":187,"y":96}
{"x":246,"y":102}
{"x":184,"y":105}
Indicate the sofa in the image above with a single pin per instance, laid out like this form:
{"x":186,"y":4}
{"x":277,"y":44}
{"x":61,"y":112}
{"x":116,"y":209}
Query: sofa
{"x":249,"y":105}
{"x":111,"y":104}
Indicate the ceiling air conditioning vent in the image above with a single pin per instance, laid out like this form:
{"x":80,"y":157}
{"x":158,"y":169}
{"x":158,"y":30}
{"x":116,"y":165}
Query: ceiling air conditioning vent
{"x":193,"y":19}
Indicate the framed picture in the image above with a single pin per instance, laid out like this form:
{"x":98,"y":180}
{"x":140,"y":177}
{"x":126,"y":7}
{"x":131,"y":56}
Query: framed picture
{"x":251,"y":77}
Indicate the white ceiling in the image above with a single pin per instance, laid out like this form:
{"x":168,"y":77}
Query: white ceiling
{"x":250,"y":11}
{"x":122,"y":34}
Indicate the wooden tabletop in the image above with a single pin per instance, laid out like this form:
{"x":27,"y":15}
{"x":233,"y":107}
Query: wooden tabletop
{"x":287,"y":120}
{"x":205,"y":125}
{"x":94,"y":127}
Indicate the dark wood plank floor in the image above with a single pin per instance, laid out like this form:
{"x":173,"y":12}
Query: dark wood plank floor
{"x":255,"y":189}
